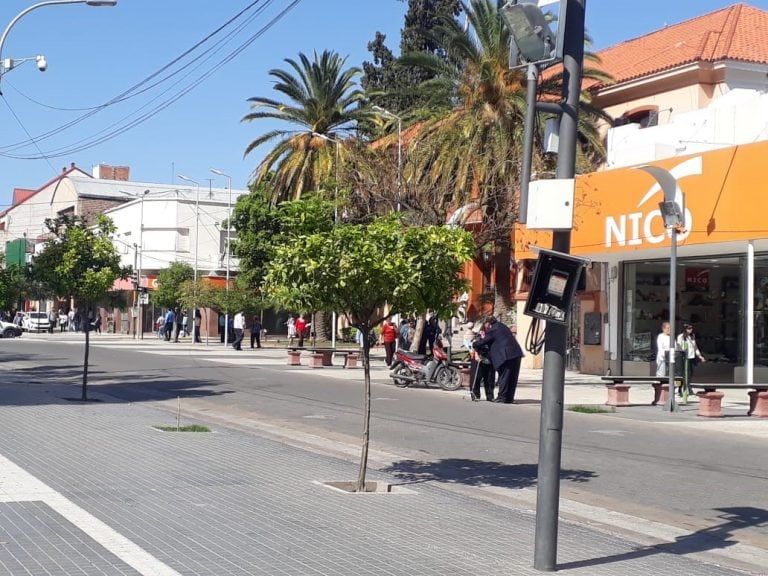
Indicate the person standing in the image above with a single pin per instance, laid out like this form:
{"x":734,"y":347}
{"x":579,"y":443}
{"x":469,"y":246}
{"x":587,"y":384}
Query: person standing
{"x":301,"y":327}
{"x":239,"y":326}
{"x":185,"y":323}
{"x":388,"y":337}
{"x":505,"y":355}
{"x":480,"y":369}
{"x":51,"y":320}
{"x":663,"y":345}
{"x":97,"y":322}
{"x":256,"y":331}
{"x":170,"y":320}
{"x":178,"y":315}
{"x":686,"y":341}
{"x":196,"y":323}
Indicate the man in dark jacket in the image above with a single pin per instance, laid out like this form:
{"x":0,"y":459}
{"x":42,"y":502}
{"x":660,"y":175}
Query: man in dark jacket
{"x":505,"y":355}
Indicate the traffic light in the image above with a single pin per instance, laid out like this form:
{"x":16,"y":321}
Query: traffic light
{"x":135,"y":279}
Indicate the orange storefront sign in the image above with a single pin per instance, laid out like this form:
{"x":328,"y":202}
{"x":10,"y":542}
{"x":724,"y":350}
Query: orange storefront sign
{"x":726,"y":197}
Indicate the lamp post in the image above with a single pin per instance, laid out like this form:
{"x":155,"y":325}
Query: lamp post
{"x":229,"y":228}
{"x":8,"y":64}
{"x":535,"y":42}
{"x":673,"y":214}
{"x":197,"y":242}
{"x":399,"y":149}
{"x":335,"y":220}
{"x":141,"y":264}
{"x":138,"y":261}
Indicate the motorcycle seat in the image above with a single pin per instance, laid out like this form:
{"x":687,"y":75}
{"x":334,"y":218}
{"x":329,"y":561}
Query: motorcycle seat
{"x":413,"y":355}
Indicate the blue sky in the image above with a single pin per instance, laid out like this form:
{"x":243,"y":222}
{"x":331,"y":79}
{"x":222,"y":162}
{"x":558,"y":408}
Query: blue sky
{"x":94,"y":54}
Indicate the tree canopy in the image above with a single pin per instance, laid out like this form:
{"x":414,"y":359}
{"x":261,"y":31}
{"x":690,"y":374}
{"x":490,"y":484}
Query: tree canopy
{"x":79,"y":260}
{"x":320,"y":97}
{"x":359,"y":269}
{"x":169,"y":282}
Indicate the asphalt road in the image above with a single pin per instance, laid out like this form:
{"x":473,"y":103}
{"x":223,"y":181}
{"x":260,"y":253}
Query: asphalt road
{"x":714,"y":486}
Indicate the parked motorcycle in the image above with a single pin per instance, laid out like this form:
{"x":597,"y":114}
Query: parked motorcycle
{"x":408,"y":368}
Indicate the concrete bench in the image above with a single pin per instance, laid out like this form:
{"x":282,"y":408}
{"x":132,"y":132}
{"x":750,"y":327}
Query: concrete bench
{"x":711,"y":398}
{"x":618,"y":388}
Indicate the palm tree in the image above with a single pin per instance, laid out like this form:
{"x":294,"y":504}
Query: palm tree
{"x":321,"y":97}
{"x":473,"y":152}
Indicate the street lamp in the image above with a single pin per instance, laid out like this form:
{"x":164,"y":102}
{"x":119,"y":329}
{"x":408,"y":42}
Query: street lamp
{"x":8,"y":64}
{"x":197,"y":242}
{"x":534,"y":42}
{"x":399,"y":149}
{"x":229,"y":228}
{"x":139,"y":257}
{"x":673,"y":214}
{"x":335,"y":219}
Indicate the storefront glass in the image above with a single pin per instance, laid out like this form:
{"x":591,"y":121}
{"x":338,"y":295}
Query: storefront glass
{"x":709,"y":296}
{"x":761,"y":311}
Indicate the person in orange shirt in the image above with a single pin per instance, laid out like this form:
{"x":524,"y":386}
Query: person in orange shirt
{"x":388,"y":337}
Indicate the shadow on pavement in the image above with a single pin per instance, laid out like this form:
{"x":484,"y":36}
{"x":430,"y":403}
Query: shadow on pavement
{"x":705,"y":540}
{"x":54,"y":383}
{"x":476,"y":473}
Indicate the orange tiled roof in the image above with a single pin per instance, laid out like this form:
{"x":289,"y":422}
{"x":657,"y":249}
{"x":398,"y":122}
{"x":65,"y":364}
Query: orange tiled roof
{"x":738,"y":32}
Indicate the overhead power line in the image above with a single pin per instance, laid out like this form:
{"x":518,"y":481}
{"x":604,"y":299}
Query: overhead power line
{"x":123,"y":125}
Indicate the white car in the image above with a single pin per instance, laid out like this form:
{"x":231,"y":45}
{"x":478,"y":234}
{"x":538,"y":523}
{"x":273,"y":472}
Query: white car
{"x":35,"y":322}
{"x":9,"y":330}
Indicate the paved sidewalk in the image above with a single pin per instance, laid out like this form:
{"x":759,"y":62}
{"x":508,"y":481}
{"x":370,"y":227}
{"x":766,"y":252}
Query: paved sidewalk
{"x":95,"y":489}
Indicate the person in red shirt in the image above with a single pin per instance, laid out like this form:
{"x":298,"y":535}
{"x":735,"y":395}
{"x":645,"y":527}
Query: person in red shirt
{"x":301,"y":326}
{"x":388,"y":338}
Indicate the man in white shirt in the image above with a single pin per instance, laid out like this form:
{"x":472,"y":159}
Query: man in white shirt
{"x":239,"y":325}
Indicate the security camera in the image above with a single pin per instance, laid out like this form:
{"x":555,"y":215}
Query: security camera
{"x":42,"y":63}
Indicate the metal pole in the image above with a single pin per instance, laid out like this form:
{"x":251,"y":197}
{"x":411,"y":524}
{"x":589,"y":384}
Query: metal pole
{"x":749,"y":353}
{"x":135,"y":288}
{"x":229,"y":228}
{"x":553,"y":384}
{"x":197,"y":240}
{"x":229,"y":242}
{"x":335,"y":220}
{"x":532,"y":78}
{"x":671,"y":404}
{"x":141,"y":265}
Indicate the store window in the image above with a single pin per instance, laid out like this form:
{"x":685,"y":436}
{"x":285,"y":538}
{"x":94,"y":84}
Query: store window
{"x":709,"y":296}
{"x":761,"y":311}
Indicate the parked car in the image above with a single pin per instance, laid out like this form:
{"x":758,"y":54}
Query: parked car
{"x":35,"y":322}
{"x":9,"y":330}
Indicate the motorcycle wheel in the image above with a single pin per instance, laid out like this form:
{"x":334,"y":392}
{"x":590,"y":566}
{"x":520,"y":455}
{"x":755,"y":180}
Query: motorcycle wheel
{"x":448,"y":378}
{"x":401,"y":370}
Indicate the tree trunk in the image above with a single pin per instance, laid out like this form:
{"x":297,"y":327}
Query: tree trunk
{"x":320,"y":326}
{"x":418,"y":334}
{"x":366,"y":330}
{"x":502,"y":304}
{"x":84,"y":395}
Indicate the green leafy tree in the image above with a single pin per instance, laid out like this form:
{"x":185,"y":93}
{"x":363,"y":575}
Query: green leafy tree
{"x":198,"y":294}
{"x":474,"y":150}
{"x":321,"y":96}
{"x":15,"y":285}
{"x":358,"y":269}
{"x":169,"y":281}
{"x":398,"y":87}
{"x":262,"y":227}
{"x":79,"y":261}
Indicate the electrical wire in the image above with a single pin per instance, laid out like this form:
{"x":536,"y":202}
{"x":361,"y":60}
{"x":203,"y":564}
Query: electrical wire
{"x":86,"y":144}
{"x":16,"y":116}
{"x":131,"y":92}
{"x":534,"y":339}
